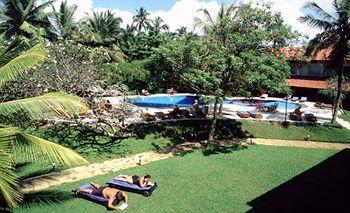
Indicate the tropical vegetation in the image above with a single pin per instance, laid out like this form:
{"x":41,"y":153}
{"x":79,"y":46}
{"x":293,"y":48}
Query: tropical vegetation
{"x":335,"y":36}
{"x":54,"y":67}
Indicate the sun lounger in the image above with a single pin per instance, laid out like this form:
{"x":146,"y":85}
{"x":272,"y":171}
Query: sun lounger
{"x":94,"y":198}
{"x":264,"y":96}
{"x":148,"y":117}
{"x":145,"y":191}
{"x":255,"y":114}
{"x":295,"y":98}
{"x":303,"y":99}
{"x":288,"y":97}
{"x":329,"y":106}
{"x":243,"y":114}
{"x":271,"y":108}
{"x":295,"y":117}
{"x":260,"y":107}
{"x":310,"y":117}
{"x":318,"y":104}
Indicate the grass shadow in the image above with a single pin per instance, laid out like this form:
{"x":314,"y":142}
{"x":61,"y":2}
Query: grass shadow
{"x":323,"y":188}
{"x":45,"y":197}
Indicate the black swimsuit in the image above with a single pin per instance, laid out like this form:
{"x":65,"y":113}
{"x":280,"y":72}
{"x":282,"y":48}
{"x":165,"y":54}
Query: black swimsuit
{"x":98,"y":192}
{"x":135,"y":179}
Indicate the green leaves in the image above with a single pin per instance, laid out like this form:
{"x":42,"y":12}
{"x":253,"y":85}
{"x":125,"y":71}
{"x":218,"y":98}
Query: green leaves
{"x":50,"y":104}
{"x":14,"y":144}
{"x":21,"y":64}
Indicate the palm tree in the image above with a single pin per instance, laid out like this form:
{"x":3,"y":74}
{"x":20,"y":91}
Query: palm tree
{"x":13,"y":142}
{"x":219,"y":31}
{"x":140,"y":19}
{"x":335,"y":35}
{"x":102,"y":28}
{"x":182,"y":31}
{"x":127,"y":38}
{"x":156,"y":26}
{"x":26,"y":18}
{"x":64,"y":19}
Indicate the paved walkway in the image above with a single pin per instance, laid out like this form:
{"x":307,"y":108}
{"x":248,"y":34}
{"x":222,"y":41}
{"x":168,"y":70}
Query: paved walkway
{"x":345,"y":124}
{"x":88,"y":171}
{"x":305,"y":144}
{"x":97,"y":169}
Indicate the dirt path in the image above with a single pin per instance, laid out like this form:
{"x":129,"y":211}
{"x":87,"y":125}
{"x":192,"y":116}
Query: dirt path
{"x":88,"y":171}
{"x":305,"y":144}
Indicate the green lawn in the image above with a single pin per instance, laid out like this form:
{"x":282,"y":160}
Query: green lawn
{"x":198,"y":183}
{"x":346,"y":117}
{"x":326,"y":133}
{"x":125,"y":148}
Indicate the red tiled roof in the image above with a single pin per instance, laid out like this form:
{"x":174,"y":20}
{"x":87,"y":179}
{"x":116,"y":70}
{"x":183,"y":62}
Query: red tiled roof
{"x":297,"y":53}
{"x":306,"y":83}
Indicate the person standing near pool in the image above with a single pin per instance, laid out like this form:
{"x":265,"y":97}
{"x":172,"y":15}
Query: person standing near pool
{"x":195,"y":105}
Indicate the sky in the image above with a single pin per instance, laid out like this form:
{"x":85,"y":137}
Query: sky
{"x":178,"y":13}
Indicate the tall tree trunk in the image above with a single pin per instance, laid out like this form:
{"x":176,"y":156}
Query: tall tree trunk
{"x":340,"y":90}
{"x":220,"y":108}
{"x":213,"y":122}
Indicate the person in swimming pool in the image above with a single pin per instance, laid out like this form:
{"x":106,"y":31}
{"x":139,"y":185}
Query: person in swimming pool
{"x":111,"y":194}
{"x":134,"y":179}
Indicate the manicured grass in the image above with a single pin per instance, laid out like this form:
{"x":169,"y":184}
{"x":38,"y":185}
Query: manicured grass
{"x":326,"y":133}
{"x":346,"y":117}
{"x":198,"y":183}
{"x":127,"y":147}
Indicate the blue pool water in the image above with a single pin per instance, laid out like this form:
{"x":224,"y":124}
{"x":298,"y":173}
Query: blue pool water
{"x":280,"y":104}
{"x":187,"y":101}
{"x":164,"y":101}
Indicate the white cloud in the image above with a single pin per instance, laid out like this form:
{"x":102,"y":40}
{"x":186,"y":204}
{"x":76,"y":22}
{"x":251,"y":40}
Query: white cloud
{"x":83,"y":7}
{"x":125,"y":15}
{"x":291,"y":10}
{"x":183,"y":13}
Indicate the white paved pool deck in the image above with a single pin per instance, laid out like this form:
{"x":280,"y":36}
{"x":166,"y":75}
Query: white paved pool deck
{"x":230,"y":110}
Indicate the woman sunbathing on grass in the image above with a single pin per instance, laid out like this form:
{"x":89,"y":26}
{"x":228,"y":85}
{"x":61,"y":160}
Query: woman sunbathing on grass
{"x":111,"y":194}
{"x":140,"y":181}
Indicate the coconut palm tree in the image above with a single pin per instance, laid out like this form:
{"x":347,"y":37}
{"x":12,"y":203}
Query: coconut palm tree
{"x":14,"y":143}
{"x":102,"y":28}
{"x":335,"y":35}
{"x":64,"y":20}
{"x":141,"y":19}
{"x":26,"y":18}
{"x":156,"y":25}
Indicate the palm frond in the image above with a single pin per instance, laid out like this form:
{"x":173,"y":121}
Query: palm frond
{"x":58,"y":104}
{"x":313,"y":6}
{"x":22,"y":63}
{"x":311,"y":21}
{"x":37,"y":148}
{"x":8,"y":178}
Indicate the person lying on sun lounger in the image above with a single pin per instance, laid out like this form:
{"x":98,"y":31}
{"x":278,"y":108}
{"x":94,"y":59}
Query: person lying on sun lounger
{"x":110,"y":193}
{"x":140,"y":181}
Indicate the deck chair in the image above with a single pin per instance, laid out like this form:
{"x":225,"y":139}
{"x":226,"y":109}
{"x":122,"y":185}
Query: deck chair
{"x":243,"y":114}
{"x":271,"y":108}
{"x":295,"y":98}
{"x":310,"y":117}
{"x":303,"y":99}
{"x":255,"y":114}
{"x":295,"y":117}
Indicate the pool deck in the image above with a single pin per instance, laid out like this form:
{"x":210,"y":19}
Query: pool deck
{"x":230,"y":110}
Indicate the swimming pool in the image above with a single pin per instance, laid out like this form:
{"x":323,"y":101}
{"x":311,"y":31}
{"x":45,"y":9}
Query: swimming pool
{"x":168,"y":101}
{"x":280,"y":104}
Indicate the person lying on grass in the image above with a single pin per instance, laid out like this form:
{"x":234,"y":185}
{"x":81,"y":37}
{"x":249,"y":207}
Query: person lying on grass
{"x":140,"y":181}
{"x":111,"y":194}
